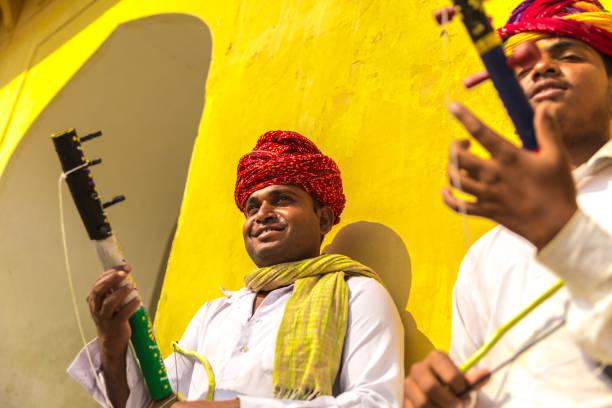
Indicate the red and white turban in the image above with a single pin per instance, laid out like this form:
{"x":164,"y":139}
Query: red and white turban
{"x":584,"y":20}
{"x":284,"y":157}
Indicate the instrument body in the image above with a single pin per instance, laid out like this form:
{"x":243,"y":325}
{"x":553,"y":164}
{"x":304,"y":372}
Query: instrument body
{"x":91,"y":209}
{"x":489,"y":46}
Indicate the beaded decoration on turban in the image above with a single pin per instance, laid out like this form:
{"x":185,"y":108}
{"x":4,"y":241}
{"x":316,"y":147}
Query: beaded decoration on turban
{"x":281,"y":157}
{"x":584,"y":20}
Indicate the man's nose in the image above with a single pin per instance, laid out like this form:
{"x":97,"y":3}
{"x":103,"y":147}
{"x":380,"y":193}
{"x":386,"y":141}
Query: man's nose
{"x":545,"y":66}
{"x":265,"y":212}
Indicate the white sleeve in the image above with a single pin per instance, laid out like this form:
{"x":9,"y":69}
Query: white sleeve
{"x":81,"y":371}
{"x":581,"y":255}
{"x":139,"y":397}
{"x":467,"y":331}
{"x":372,"y":368}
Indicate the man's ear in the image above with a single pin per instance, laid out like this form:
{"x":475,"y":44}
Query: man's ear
{"x":326,"y":219}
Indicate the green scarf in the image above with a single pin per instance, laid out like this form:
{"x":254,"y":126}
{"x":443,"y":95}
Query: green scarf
{"x":311,"y":334}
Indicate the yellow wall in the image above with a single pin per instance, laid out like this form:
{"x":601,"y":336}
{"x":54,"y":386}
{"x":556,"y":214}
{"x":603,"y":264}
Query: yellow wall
{"x":366,"y":80}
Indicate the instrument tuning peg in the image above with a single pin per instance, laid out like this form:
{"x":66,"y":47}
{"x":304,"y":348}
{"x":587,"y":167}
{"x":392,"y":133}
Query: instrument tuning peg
{"x":94,"y":162}
{"x":91,"y":136}
{"x":114,"y":201}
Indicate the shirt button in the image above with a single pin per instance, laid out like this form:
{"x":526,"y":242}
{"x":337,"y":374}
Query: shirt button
{"x":244,"y":349}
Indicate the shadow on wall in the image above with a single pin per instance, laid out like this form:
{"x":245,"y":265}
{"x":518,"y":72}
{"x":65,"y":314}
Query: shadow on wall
{"x":144,"y":88}
{"x":380,"y":248}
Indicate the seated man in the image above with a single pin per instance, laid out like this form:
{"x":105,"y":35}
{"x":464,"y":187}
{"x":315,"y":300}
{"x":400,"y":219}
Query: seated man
{"x":307,"y":330}
{"x":552,"y":227}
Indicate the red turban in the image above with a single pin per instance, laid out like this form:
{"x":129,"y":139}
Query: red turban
{"x":584,"y":20}
{"x":281,"y":157}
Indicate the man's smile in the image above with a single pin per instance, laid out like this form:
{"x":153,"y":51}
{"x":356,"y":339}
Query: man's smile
{"x":266,"y":230}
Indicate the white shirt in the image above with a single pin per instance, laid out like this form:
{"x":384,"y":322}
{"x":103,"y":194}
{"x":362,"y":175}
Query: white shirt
{"x":502,"y":274}
{"x":240,"y":348}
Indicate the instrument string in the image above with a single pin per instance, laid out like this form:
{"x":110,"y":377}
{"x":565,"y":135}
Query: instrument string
{"x":77,"y":315}
{"x":454,"y":159}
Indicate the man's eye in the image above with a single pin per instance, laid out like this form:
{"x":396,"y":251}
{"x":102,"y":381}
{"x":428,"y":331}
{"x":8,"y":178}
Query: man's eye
{"x":570,"y":57}
{"x":521,"y":73}
{"x":284,"y":199}
{"x":251,"y":209}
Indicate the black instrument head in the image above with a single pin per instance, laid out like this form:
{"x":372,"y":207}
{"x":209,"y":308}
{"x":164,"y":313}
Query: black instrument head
{"x":81,"y":182}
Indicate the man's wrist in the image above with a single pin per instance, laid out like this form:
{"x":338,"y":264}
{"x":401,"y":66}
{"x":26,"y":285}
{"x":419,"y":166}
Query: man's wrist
{"x":110,"y":351}
{"x":550,"y":230}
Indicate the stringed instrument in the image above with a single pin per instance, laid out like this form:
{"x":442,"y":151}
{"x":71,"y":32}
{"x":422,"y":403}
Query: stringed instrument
{"x":91,"y":209}
{"x":489,"y":47}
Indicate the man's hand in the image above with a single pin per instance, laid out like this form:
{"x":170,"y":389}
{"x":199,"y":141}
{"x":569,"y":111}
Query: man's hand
{"x":529,"y":193}
{"x":111,"y":319}
{"x":437,"y":382}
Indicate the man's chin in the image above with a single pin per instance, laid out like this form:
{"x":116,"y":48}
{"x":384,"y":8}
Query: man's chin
{"x":268,"y":254}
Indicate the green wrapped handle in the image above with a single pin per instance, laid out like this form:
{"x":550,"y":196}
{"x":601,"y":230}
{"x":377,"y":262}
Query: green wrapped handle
{"x":149,"y":356}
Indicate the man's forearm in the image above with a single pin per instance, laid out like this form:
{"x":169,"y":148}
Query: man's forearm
{"x":115,"y":376}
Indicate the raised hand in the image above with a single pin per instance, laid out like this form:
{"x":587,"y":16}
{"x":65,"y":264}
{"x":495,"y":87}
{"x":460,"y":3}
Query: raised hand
{"x":530,"y":193}
{"x":111,"y":319}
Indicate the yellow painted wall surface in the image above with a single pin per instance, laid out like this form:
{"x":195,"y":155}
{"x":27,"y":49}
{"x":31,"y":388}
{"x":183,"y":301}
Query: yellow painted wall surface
{"x":368,"y":81}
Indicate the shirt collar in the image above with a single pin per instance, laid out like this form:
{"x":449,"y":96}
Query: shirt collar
{"x":234,"y":295}
{"x":599,"y":161}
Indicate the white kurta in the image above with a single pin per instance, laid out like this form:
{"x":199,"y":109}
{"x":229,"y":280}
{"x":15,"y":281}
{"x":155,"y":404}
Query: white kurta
{"x":240,"y":348}
{"x":502,"y":274}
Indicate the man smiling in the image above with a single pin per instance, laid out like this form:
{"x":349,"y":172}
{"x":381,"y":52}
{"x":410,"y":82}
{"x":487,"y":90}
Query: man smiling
{"x":307,"y":330}
{"x":553,"y":226}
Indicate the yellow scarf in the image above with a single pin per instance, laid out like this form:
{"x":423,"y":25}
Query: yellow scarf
{"x":311,"y":334}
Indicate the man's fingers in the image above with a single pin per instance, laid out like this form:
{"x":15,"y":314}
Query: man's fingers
{"x":107,"y":281}
{"x":458,"y":205}
{"x":111,"y":303}
{"x":435,"y":382}
{"x":460,"y":156}
{"x":459,"y":145}
{"x":490,"y":140}
{"x":413,"y":396}
{"x":439,"y":379}
{"x":434,"y":391}
{"x":464,"y":183}
{"x":93,"y":293}
{"x":104,"y":275}
{"x":129,"y":309}
{"x":447,"y":371}
{"x":477,"y":378}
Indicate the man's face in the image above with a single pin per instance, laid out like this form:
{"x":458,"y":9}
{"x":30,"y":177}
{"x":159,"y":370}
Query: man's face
{"x":282,"y":225}
{"x":571,"y":76}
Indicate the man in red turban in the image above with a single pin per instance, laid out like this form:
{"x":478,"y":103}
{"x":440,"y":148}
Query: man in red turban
{"x":282,"y":157}
{"x":308,"y":329}
{"x":553,"y":247}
